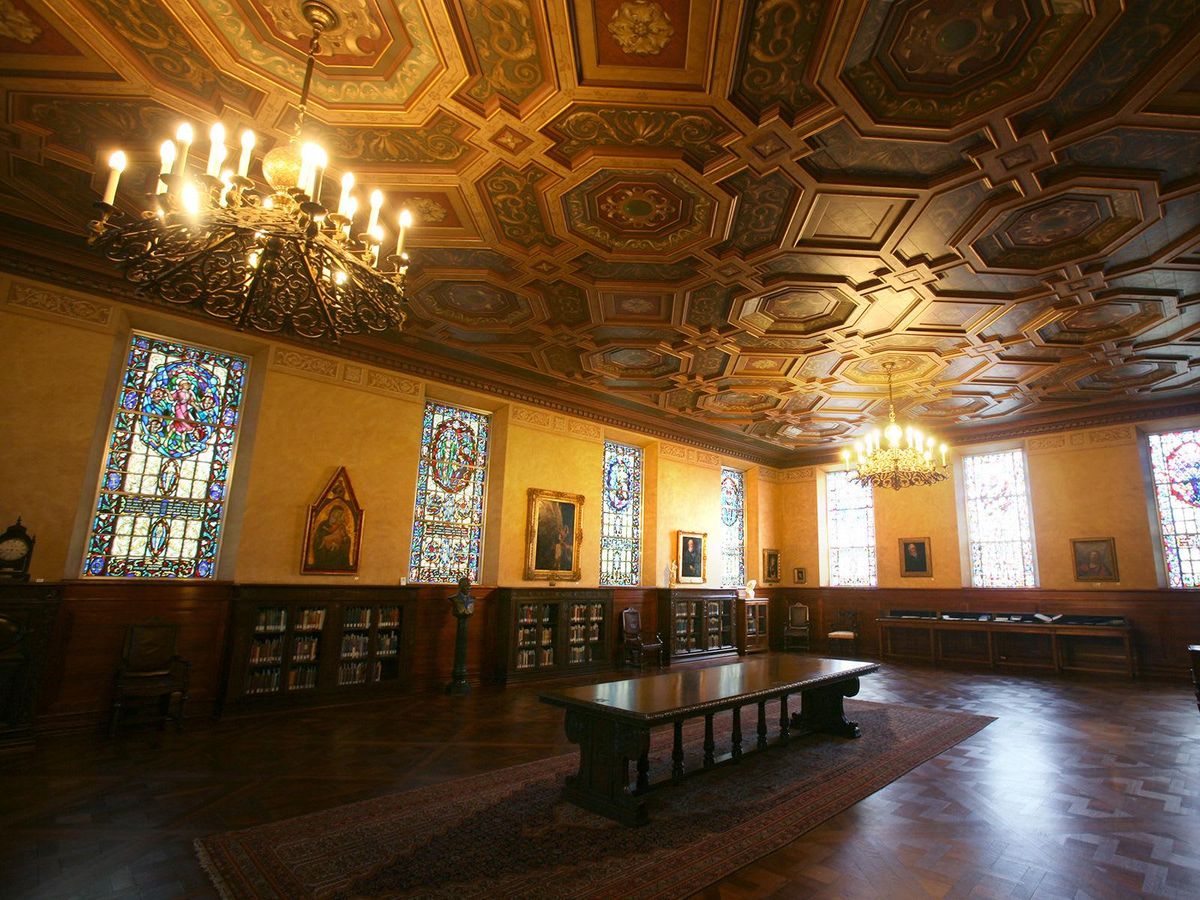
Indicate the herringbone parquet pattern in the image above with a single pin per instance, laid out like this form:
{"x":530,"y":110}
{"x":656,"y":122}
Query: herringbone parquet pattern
{"x":1079,"y":789}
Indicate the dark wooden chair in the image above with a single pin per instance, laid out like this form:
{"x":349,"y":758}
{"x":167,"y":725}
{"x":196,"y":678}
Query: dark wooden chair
{"x":638,"y":645}
{"x":150,"y":667}
{"x":844,"y":635}
{"x":796,"y":632}
{"x":1194,"y":653}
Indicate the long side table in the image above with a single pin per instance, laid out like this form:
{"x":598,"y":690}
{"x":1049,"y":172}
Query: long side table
{"x":611,"y":722}
{"x":1058,"y":638}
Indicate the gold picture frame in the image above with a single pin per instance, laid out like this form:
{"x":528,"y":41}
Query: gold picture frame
{"x":799,"y":575}
{"x":1095,"y":559}
{"x":333,"y":534}
{"x":691,"y":554}
{"x":770,"y":570}
{"x":553,"y":536}
{"x":916,"y":559}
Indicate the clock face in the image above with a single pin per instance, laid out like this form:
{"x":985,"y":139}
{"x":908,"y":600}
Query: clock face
{"x":13,"y":549}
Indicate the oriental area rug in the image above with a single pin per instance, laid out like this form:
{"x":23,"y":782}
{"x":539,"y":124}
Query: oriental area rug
{"x":508,"y":834}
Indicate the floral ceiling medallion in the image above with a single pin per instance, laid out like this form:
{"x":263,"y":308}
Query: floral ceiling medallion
{"x":641,"y":27}
{"x":351,"y":36}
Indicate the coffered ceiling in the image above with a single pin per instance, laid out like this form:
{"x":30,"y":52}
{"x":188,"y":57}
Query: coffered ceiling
{"x":717,"y":219}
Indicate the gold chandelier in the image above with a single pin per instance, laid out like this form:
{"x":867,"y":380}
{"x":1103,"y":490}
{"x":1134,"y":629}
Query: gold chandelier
{"x":895,"y":457}
{"x":281,"y":262}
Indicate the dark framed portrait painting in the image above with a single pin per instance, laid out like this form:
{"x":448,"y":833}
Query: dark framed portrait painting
{"x":799,"y":575}
{"x":333,"y":534}
{"x":1095,"y":559}
{"x":771,"y":567}
{"x":553,"y":536}
{"x":691,"y":552}
{"x":915,"y":558}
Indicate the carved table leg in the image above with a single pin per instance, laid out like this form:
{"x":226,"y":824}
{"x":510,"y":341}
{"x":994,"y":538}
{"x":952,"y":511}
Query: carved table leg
{"x":737,"y":732}
{"x":821,"y":710}
{"x":709,"y":744}
{"x":762,"y":725}
{"x":602,"y":783}
{"x":677,"y":752}
{"x":643,"y":770}
{"x":783,"y":719}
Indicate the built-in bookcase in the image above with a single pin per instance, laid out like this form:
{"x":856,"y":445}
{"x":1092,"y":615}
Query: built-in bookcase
{"x":296,"y":643}
{"x":545,"y":631}
{"x":698,"y":623}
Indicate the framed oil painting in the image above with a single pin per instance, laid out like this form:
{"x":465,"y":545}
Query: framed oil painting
{"x":799,"y":575}
{"x":771,"y":567}
{"x":553,"y":535}
{"x":1095,"y":559}
{"x":333,"y":534}
{"x":915,"y":559}
{"x":691,"y":552}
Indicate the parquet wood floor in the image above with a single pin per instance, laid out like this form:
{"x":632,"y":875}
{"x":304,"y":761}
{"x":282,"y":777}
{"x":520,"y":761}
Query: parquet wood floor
{"x":1081,"y":788}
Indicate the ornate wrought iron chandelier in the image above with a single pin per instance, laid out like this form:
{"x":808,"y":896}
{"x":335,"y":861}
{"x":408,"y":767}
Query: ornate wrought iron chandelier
{"x":272,"y":263}
{"x":896,"y":457}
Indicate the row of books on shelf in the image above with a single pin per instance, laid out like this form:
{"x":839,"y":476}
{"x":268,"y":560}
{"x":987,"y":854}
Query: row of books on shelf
{"x":271,"y":619}
{"x":529,"y":658}
{"x":357,"y":672}
{"x":263,"y":681}
{"x":587,"y":612}
{"x":357,"y":617}
{"x":528,"y":634}
{"x":266,"y":651}
{"x":310,"y":620}
{"x":530,"y":613}
{"x":388,"y":643}
{"x":301,"y":678}
{"x":304,"y":649}
{"x":584,"y":632}
{"x":354,"y":645}
{"x":581,"y":653}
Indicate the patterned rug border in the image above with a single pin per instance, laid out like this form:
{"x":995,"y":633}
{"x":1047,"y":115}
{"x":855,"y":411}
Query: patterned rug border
{"x":773,"y":831}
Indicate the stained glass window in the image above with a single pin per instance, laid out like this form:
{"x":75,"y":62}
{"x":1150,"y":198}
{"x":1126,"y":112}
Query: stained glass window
{"x":621,"y":516}
{"x":733,"y":528}
{"x":451,"y":483}
{"x":850,"y":531}
{"x":161,"y":502}
{"x":1175,"y":463}
{"x":999,"y":521}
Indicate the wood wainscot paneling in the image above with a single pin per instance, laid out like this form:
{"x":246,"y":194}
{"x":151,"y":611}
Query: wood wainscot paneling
{"x":27,"y":614}
{"x":1164,"y":621}
{"x":89,"y":635}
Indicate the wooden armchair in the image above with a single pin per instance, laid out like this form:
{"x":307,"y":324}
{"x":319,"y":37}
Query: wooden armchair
{"x":797,"y":630}
{"x":845,"y":632}
{"x":150,"y":668}
{"x":636,"y":644}
{"x":1194,"y":653}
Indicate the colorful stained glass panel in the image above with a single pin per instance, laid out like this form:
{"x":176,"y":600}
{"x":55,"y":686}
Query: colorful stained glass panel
{"x":161,"y":502}
{"x":999,"y":520}
{"x":621,"y":516}
{"x":447,"y":538}
{"x":850,"y":530}
{"x":1175,"y":464}
{"x":733,"y":528}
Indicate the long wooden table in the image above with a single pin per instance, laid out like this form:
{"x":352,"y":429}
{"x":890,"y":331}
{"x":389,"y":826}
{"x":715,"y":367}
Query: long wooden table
{"x":611,"y":722}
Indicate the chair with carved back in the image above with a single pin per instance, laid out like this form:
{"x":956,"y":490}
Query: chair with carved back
{"x":637,"y":644}
{"x":844,"y":635}
{"x":1194,"y":653}
{"x":150,"y":667}
{"x":796,"y":632}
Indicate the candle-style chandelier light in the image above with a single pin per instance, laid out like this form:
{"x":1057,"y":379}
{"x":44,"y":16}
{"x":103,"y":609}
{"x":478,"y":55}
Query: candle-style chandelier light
{"x":896,"y":457}
{"x":281,"y":262}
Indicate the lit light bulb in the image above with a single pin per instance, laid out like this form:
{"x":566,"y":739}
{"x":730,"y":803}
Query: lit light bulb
{"x":190,"y":198}
{"x":216,"y":149}
{"x":347,"y":187}
{"x":166,"y":154}
{"x":253,"y":259}
{"x":183,"y":134}
{"x":376,"y":203}
{"x":339,"y":277}
{"x":116,"y":165}
{"x":405,"y":223}
{"x":248,"y":140}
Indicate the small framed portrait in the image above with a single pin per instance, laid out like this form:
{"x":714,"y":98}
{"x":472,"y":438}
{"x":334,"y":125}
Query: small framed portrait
{"x":333,"y":534}
{"x":799,"y":575}
{"x":691,"y":552}
{"x":1095,"y":559}
{"x":771,"y":567}
{"x":915,"y":558}
{"x":553,"y":536}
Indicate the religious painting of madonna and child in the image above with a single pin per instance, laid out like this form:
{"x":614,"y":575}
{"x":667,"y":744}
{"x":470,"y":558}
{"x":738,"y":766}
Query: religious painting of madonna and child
{"x":553,"y":536}
{"x":334,"y":531}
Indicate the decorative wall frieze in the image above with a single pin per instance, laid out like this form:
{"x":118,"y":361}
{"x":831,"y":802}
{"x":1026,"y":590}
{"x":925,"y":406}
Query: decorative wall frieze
{"x":335,"y":371}
{"x":690,"y":455}
{"x":40,"y":301}
{"x":546,"y":420}
{"x":803,"y":473}
{"x":1088,"y":439}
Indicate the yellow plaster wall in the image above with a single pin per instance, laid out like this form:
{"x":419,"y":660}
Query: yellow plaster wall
{"x":797,"y":517}
{"x":551,"y":461}
{"x":305,"y":429}
{"x":689,"y":499}
{"x":54,"y":392}
{"x":929,"y":512}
